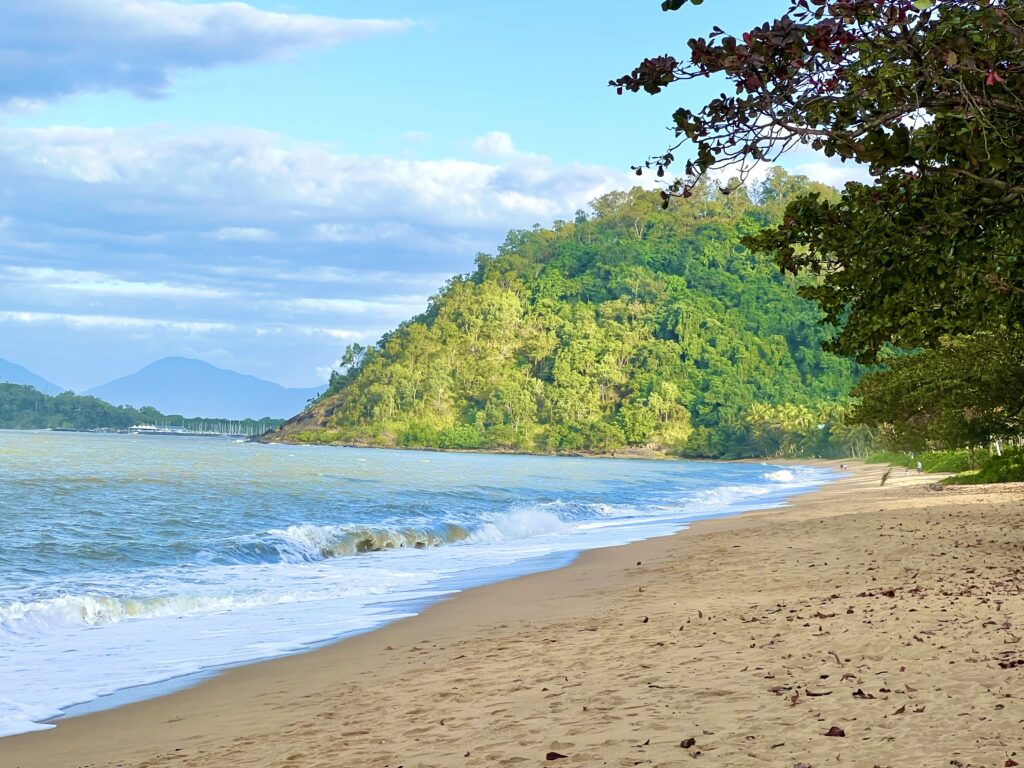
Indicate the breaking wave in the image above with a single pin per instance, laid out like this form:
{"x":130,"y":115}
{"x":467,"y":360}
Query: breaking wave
{"x":781,"y":476}
{"x":53,"y":614}
{"x":310,"y":543}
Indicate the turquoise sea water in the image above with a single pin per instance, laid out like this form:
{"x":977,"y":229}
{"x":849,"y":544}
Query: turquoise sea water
{"x":129,"y":560}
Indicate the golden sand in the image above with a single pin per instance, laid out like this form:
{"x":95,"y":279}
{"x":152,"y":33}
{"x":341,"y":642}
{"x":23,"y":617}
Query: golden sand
{"x":889,"y":617}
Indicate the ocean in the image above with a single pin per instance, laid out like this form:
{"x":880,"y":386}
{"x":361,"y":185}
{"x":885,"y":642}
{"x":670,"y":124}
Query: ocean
{"x":131,"y":561}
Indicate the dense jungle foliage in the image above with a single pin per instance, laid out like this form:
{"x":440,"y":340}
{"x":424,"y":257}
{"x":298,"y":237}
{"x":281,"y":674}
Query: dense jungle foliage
{"x":920,"y":266}
{"x":965,"y":393}
{"x":633,"y":326}
{"x":23,"y":407}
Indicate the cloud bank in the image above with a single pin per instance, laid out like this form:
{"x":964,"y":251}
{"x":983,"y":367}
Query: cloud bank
{"x":54,"y":48}
{"x":217,"y":240}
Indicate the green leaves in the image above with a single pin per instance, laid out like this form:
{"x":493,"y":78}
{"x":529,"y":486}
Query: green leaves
{"x":927,"y":97}
{"x":966,"y":392}
{"x":633,"y":326}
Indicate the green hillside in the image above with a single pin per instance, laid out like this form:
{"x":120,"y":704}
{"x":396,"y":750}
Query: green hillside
{"x":632,"y":326}
{"x":25,"y":407}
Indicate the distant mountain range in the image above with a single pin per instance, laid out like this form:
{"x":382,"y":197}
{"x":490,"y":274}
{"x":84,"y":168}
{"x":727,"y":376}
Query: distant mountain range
{"x":193,"y":388}
{"x":12,"y":373}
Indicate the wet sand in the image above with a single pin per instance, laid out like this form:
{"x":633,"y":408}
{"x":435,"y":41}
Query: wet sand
{"x":889,"y":617}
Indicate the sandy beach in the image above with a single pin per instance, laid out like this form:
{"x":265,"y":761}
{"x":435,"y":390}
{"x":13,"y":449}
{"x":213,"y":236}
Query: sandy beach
{"x":862,"y":625}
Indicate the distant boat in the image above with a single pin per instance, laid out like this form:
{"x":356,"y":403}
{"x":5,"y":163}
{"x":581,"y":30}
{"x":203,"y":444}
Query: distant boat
{"x":149,"y":429}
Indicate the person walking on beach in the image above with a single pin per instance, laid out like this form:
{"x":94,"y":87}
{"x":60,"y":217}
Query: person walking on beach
{"x":919,"y":467}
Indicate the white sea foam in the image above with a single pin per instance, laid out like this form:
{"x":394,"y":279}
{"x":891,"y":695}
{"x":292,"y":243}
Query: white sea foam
{"x":60,"y":614}
{"x":520,"y":524}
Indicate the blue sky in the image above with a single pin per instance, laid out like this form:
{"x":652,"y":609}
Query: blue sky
{"x":260,"y":184}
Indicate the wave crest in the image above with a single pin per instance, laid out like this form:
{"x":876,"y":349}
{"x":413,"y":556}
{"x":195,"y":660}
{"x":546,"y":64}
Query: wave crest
{"x":309,"y":543}
{"x":51,"y":614}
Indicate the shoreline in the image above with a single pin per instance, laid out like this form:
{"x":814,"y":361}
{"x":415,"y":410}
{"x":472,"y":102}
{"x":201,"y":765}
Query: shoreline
{"x":319,"y":707}
{"x":624,"y":453}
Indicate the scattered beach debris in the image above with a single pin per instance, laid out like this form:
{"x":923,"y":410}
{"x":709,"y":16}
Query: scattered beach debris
{"x":555,"y":756}
{"x":836,"y":731}
{"x":687,"y":743}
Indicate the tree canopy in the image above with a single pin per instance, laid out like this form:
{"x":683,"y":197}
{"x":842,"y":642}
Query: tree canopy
{"x":966,"y":393}
{"x":633,"y":326}
{"x":929,"y":96}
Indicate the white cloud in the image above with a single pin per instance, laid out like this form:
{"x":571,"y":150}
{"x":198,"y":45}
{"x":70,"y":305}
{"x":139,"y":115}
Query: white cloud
{"x":323,"y":372}
{"x":416,"y":137}
{"x":243,"y":234}
{"x":110,"y":321}
{"x":833,"y":173}
{"x":394,"y":307}
{"x":494,"y":144}
{"x":228,"y":172}
{"x":52,"y":48}
{"x":341,"y":276}
{"x":138,"y":234}
{"x":806,"y":162}
{"x":342,"y":334}
{"x":148,"y":324}
{"x":99,"y":283}
{"x":360,"y":233}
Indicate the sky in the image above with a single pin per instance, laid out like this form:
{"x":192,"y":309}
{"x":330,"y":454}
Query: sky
{"x":260,"y":184}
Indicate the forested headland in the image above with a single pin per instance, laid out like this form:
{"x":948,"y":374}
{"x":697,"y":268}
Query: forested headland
{"x":692,"y":320}
{"x":629,"y":326}
{"x":25,"y":407}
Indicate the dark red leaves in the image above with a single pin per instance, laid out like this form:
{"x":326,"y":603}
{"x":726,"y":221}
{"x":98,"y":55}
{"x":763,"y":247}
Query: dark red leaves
{"x":993,"y":78}
{"x":555,"y":756}
{"x":836,"y":731}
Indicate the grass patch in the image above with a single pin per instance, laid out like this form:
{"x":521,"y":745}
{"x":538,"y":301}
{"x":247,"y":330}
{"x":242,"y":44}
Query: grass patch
{"x":932,"y":461}
{"x":1008,"y":468}
{"x":967,"y":467}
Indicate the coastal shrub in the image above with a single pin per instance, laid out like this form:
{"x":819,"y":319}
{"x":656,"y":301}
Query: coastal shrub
{"x":417,"y":434}
{"x":464,"y":436}
{"x":1008,"y":468}
{"x":950,"y":461}
{"x":969,"y":467}
{"x":933,"y":461}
